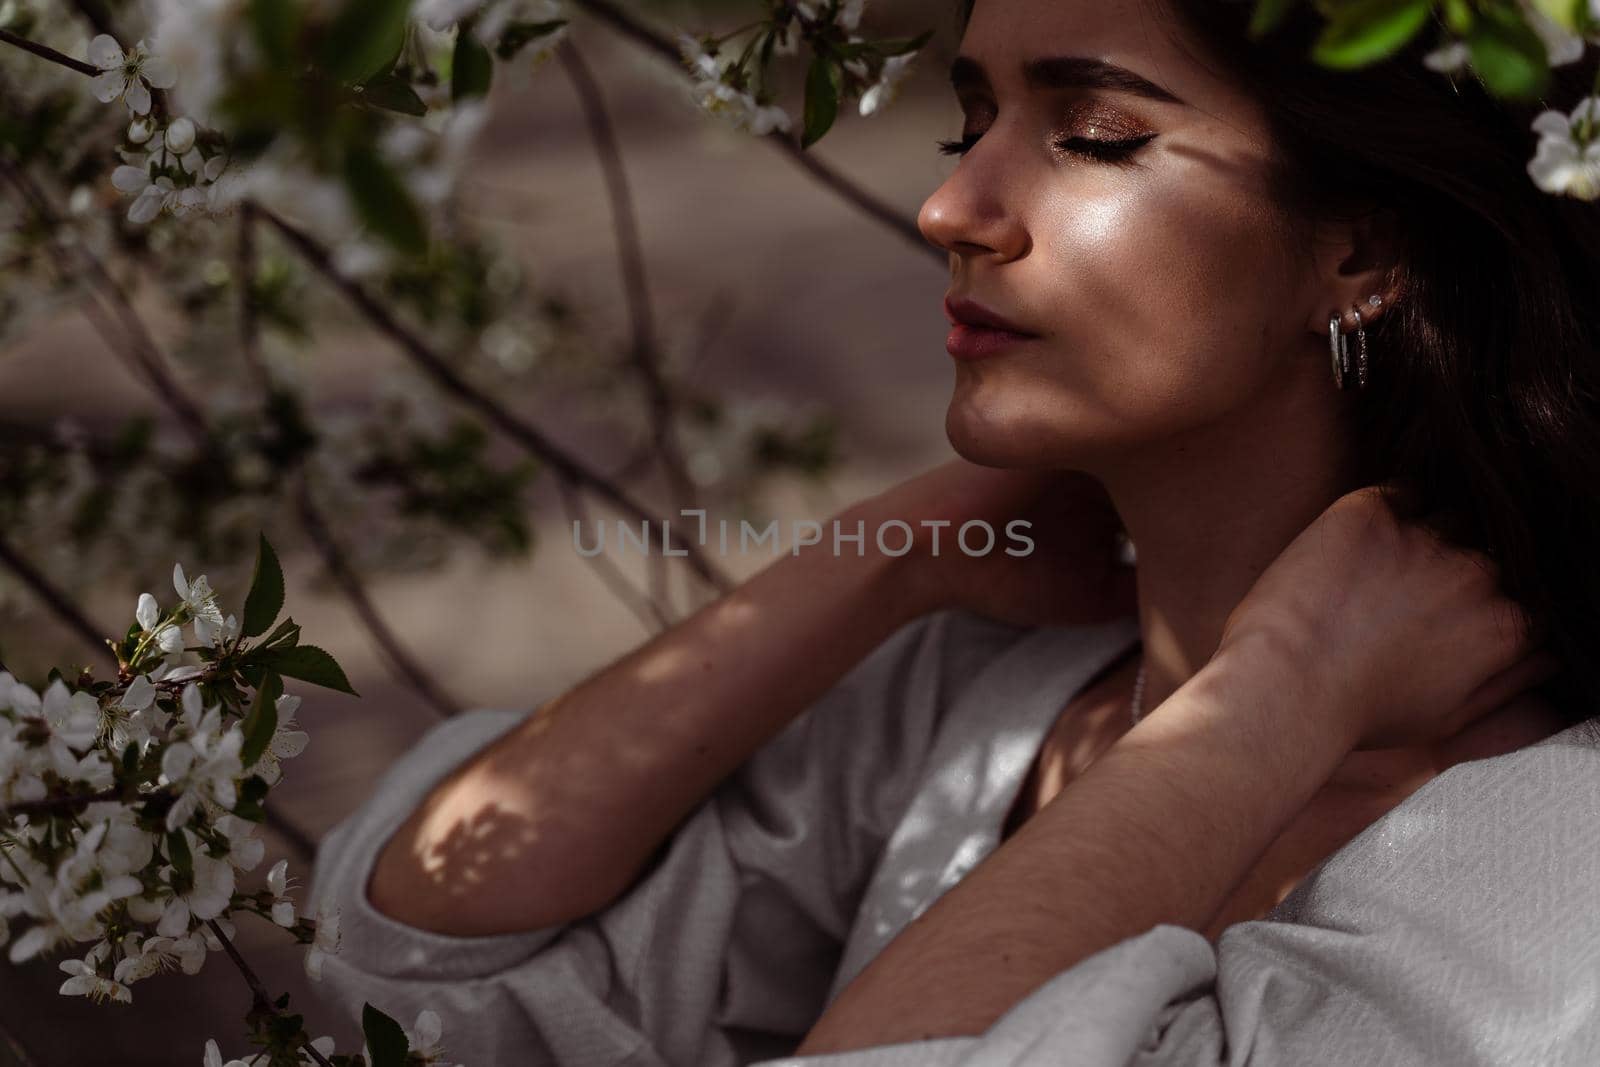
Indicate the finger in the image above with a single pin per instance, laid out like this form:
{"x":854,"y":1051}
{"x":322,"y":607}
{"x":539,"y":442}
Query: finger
{"x":1499,"y":689}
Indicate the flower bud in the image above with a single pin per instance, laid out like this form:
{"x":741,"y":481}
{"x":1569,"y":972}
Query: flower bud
{"x":139,"y":131}
{"x":180,"y":136}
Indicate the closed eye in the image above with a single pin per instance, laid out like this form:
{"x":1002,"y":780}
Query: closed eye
{"x":1102,"y":150}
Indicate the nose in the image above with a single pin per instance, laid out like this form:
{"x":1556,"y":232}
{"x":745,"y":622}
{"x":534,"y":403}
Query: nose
{"x":974,"y":213}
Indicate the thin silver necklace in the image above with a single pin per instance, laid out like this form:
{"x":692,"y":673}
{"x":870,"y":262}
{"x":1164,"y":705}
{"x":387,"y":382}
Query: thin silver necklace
{"x":1138,"y":692}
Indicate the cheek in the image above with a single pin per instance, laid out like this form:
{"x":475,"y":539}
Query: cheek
{"x":1165,"y":285}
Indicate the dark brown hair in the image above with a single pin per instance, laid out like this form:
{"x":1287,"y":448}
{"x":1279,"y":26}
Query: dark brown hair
{"x":1483,"y":403}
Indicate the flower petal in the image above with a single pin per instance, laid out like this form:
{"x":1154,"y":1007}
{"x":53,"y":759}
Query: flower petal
{"x":108,"y":86}
{"x":137,"y":97}
{"x":147,"y":207}
{"x":160,"y":73}
{"x":132,"y":180}
{"x":105,"y":52}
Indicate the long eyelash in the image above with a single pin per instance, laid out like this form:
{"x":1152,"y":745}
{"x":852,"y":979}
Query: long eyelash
{"x":960,"y":147}
{"x":1107,"y":151}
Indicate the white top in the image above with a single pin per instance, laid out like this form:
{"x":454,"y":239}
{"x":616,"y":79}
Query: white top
{"x":1462,"y":927}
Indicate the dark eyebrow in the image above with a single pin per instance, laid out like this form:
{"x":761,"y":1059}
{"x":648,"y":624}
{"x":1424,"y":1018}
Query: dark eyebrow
{"x":1065,"y":72}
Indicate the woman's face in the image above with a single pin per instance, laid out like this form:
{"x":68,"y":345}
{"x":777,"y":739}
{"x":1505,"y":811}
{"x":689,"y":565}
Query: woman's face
{"x":1157,"y":277}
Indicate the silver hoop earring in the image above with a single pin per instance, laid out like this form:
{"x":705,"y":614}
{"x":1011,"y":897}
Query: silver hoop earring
{"x":1339,"y":349}
{"x":1361,"y":351}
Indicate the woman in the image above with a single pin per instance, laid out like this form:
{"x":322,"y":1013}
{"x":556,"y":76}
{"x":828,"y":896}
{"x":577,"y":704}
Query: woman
{"x":897,"y":810}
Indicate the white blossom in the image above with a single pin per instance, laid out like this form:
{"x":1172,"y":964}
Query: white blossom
{"x":324,"y":943}
{"x":86,"y":979}
{"x":213,"y":1057}
{"x":423,"y":1038}
{"x":207,"y":897}
{"x":168,"y":638}
{"x":128,"y":76}
{"x":278,"y":886}
{"x":245,"y":850}
{"x":211,"y":635}
{"x":205,"y":41}
{"x":888,"y":84}
{"x":180,"y":135}
{"x":1560,"y":165}
{"x":286,"y":743}
{"x":197,"y":596}
{"x":204,"y":765}
{"x":716,"y":97}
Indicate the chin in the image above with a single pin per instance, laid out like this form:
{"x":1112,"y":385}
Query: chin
{"x":990,"y":438}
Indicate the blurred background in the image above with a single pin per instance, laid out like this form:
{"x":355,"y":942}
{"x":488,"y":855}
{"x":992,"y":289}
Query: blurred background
{"x":814,"y":329}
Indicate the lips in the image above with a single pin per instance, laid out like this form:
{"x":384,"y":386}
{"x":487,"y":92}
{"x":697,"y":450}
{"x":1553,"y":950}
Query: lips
{"x":977,"y":332}
{"x":963,"y":312}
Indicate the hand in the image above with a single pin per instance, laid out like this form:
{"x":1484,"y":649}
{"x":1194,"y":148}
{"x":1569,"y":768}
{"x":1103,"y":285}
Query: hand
{"x":1409,"y":637}
{"x":1071,"y":574}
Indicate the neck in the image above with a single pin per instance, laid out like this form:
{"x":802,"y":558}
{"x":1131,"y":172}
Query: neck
{"x":1208,"y":512}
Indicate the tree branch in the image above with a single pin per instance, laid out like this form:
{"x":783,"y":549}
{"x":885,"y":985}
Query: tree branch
{"x":652,"y":40}
{"x":140,"y":346}
{"x":258,"y":991}
{"x":636,"y":289}
{"x":311,"y":519}
{"x":46,"y":52}
{"x":53,"y":598}
{"x":564,"y":464}
{"x":399,"y":659}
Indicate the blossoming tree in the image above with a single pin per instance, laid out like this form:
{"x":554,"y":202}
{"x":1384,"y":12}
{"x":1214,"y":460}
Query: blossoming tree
{"x":267,"y":163}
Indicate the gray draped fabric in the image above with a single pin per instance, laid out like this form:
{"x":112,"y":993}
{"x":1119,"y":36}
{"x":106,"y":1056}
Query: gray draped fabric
{"x":1461,"y":928}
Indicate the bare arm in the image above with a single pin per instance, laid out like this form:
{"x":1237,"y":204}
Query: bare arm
{"x":1158,"y":830}
{"x":560,"y":816}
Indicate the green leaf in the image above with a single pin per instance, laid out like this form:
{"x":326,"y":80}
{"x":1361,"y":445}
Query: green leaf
{"x":1509,"y":56}
{"x":287,"y":635}
{"x":383,"y":202}
{"x":518,"y":35}
{"x":265,"y":599}
{"x":823,"y":83}
{"x":1458,"y":15}
{"x":386,"y":1040}
{"x":1267,"y":16}
{"x":262,"y":722}
{"x":364,"y":38}
{"x":252,"y":791}
{"x":393,"y":93}
{"x":309,"y":664}
{"x":178,"y":853}
{"x":1366,"y":31}
{"x":472,"y":68}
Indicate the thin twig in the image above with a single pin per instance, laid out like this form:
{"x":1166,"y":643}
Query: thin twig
{"x":630,"y":27}
{"x":54,"y":599}
{"x":643,"y":347}
{"x":167,"y":389}
{"x":46,"y":52}
{"x":140,"y":345}
{"x":58,"y":805}
{"x":258,"y":991}
{"x":439,"y":369}
{"x":317,"y":529}
{"x":644,"y":608}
